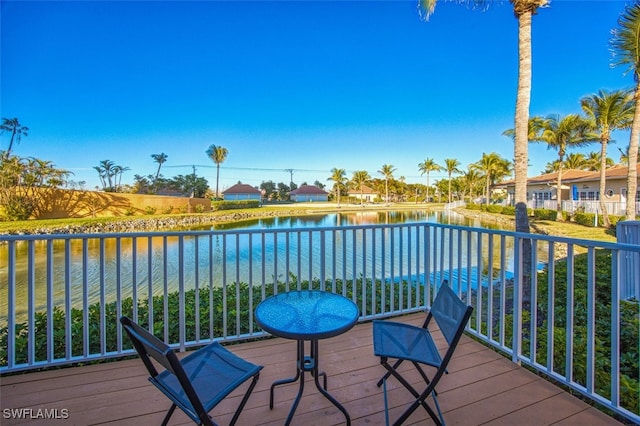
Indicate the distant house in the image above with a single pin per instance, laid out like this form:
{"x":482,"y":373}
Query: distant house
{"x":580,"y":189}
{"x":242,"y":191}
{"x":577,"y":185}
{"x":365,"y":194}
{"x":307,"y":193}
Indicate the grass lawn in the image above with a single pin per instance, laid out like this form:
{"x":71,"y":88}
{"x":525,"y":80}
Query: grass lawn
{"x":566,"y":229}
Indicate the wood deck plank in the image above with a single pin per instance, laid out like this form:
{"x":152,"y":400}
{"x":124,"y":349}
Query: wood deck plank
{"x":482,"y":387}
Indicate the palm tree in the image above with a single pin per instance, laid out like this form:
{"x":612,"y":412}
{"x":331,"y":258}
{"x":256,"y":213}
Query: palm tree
{"x":524,"y":11}
{"x":17,"y":131}
{"x":217,"y":154}
{"x":562,"y":133}
{"x":359,"y":178}
{"x":607,"y":111}
{"x":494,"y":168}
{"x":626,"y":50}
{"x":428,"y":166}
{"x":576,"y":160}
{"x":387,"y":171}
{"x":451,"y":166}
{"x":106,"y":170}
{"x":160,"y":159}
{"x":472,"y":180}
{"x":624,"y":156}
{"x":338,"y":176}
{"x":118,"y":171}
{"x":592,"y":161}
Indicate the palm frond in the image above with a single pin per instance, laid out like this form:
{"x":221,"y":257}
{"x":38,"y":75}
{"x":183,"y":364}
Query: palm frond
{"x":625,"y":43}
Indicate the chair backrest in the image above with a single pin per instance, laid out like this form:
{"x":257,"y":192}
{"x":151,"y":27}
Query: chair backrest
{"x":450,"y":313}
{"x":149,"y":346}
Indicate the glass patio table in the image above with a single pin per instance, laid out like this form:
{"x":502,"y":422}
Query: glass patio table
{"x":307,"y":315}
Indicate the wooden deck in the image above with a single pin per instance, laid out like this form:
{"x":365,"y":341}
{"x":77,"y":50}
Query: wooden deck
{"x":482,"y":387}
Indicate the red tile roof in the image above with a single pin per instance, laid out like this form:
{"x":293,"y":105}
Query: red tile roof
{"x":242,"y":188}
{"x":308,"y":190}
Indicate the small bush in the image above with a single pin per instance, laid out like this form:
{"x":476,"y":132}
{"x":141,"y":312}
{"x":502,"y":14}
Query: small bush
{"x":473,"y":206}
{"x":509,"y":210}
{"x":199,"y":208}
{"x":130,"y":211}
{"x":234,"y":204}
{"x":545,"y":214}
{"x":494,"y":208}
{"x":167,"y":210}
{"x":587,"y":219}
{"x":150,"y":210}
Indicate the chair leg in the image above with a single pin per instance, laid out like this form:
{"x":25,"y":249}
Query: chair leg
{"x":386,"y":376}
{"x":245,"y":399}
{"x":420,"y":398}
{"x":169,"y":414}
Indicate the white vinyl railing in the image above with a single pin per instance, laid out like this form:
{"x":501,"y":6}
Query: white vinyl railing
{"x":61,"y":295}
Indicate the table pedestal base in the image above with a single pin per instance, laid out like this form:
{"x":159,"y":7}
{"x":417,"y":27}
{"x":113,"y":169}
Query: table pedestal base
{"x":307,"y":364}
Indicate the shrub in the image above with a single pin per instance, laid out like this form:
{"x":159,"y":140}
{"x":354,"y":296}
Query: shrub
{"x":473,"y":206}
{"x":199,"y":208}
{"x":234,"y":204}
{"x":587,"y":219}
{"x":509,"y":210}
{"x":494,"y":208}
{"x":130,"y":211}
{"x":150,"y":210}
{"x":167,"y":210}
{"x":545,"y":214}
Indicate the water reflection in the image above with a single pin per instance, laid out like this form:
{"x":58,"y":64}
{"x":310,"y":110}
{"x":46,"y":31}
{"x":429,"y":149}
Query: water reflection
{"x":83,"y":271}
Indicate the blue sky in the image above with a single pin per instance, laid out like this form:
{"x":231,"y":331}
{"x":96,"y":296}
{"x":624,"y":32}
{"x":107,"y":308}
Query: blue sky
{"x":304,"y":85}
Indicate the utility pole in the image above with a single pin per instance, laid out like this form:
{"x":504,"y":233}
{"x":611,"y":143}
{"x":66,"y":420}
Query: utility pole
{"x":290,"y":171}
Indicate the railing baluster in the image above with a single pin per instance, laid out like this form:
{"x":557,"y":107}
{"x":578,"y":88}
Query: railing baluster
{"x":67,"y":298}
{"x":569,"y":316}
{"x":31,"y":291}
{"x":85,"y":298}
{"x":67,"y":273}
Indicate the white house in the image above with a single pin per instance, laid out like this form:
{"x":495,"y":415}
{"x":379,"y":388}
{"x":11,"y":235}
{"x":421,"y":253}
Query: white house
{"x":242,"y":191}
{"x":307,"y":193}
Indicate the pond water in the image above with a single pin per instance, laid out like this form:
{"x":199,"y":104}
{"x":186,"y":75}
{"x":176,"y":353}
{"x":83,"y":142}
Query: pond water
{"x":449,"y":217}
{"x":80,"y":272}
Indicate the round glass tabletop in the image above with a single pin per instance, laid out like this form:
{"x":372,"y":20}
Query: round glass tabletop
{"x":307,"y":314}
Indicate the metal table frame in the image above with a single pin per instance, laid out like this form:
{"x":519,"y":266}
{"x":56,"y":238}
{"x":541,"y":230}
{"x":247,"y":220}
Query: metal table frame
{"x":308,"y":363}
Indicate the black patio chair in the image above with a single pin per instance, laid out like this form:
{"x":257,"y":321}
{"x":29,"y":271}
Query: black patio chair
{"x":197,"y":382}
{"x":405,"y":342}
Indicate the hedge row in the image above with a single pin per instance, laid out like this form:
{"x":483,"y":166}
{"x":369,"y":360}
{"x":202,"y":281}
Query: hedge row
{"x":234,"y":204}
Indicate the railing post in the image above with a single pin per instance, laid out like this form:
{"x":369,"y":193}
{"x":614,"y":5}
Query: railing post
{"x":628,"y":232}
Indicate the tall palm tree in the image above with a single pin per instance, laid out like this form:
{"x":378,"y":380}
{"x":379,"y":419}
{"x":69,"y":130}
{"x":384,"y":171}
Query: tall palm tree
{"x":16,"y":129}
{"x":338,"y":176}
{"x":472,"y":180}
{"x":576,"y":160}
{"x":594,"y":161}
{"x":523,"y":11}
{"x":160,"y":159}
{"x":387,"y":171}
{"x":118,"y":171}
{"x":561,"y":133}
{"x":217,"y":154}
{"x":451,"y":166}
{"x":626,"y":50}
{"x":106,"y":170}
{"x":607,"y":111}
{"x":428,"y":166}
{"x":359,"y":178}
{"x":494,"y":168}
